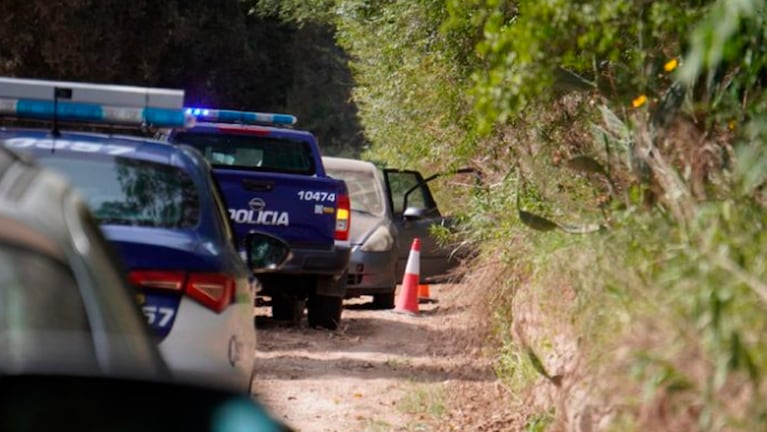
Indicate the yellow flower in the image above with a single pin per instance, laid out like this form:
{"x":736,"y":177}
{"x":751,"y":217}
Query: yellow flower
{"x":639,"y":101}
{"x":671,"y":65}
{"x":732,"y":125}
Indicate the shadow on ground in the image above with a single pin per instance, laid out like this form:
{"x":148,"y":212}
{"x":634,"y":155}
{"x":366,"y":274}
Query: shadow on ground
{"x":294,"y":367}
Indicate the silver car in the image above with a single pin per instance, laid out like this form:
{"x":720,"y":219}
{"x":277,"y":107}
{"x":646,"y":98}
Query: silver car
{"x":373,"y":235}
{"x":390,"y":208}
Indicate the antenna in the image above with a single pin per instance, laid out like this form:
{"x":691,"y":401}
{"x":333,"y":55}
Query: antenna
{"x":58,"y":93}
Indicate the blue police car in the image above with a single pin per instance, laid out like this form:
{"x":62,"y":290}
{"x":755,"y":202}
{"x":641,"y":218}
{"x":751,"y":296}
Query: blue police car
{"x":160,"y":207}
{"x":273,"y":180}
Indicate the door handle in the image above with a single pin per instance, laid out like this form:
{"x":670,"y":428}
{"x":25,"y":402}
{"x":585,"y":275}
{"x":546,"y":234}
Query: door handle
{"x":258,"y":185}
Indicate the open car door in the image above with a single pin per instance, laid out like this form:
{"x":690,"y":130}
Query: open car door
{"x":415,"y":211}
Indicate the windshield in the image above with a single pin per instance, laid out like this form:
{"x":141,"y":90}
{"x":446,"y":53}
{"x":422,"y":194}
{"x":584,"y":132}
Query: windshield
{"x":251,"y":151}
{"x":123,"y":191}
{"x":365,"y":191}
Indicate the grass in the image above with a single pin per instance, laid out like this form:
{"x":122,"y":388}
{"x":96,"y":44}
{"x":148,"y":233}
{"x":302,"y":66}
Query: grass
{"x":373,"y":425}
{"x":540,"y":422}
{"x":397,"y":362}
{"x":425,"y":404}
{"x":515,"y":368}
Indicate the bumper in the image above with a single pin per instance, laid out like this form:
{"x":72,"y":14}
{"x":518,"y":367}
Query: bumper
{"x":318,"y":262}
{"x":216,"y":349}
{"x":371,"y":272}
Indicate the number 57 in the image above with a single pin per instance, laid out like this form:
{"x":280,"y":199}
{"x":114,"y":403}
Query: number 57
{"x":152,"y":313}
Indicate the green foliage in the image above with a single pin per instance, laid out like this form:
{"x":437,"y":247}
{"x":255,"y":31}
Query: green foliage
{"x":620,"y":44}
{"x":515,"y":368}
{"x":302,"y":12}
{"x":408,"y":91}
{"x":689,"y":305}
{"x":408,"y":85}
{"x":540,"y":422}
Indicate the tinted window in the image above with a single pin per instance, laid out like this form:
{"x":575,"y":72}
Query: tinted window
{"x":251,"y":151}
{"x":365,"y":190}
{"x":133,"y":192}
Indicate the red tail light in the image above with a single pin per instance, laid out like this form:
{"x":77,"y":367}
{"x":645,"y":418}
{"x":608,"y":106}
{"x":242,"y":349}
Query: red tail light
{"x":213,"y":290}
{"x":343,"y":218}
{"x":164,"y":280}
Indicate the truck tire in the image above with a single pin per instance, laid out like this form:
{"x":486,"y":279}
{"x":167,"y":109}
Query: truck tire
{"x":324,"y":311}
{"x":383,"y":300}
{"x":286,"y":307}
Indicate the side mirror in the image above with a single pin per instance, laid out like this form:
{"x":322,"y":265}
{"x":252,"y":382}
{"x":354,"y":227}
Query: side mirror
{"x":413,"y":213}
{"x":265,"y":252}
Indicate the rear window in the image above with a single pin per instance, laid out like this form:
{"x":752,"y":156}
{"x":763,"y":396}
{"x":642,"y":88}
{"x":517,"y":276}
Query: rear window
{"x":251,"y":151}
{"x":122,"y":191}
{"x":365,"y":190}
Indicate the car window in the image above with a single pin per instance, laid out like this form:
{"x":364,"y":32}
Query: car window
{"x":38,"y":294}
{"x":123,"y":191}
{"x":365,"y":190}
{"x":400,"y":183}
{"x":251,"y":151}
{"x":42,"y":316}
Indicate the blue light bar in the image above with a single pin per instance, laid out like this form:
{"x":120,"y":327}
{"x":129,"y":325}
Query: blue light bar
{"x":92,"y":103}
{"x":92,"y":113}
{"x":241,"y":117}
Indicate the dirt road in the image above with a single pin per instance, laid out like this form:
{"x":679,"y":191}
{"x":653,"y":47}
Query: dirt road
{"x":383,"y":371}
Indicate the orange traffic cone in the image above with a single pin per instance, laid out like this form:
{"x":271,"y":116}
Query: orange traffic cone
{"x":423,"y":294}
{"x":407,"y":301}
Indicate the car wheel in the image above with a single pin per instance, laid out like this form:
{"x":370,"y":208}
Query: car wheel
{"x":287,"y":308}
{"x":383,"y":301}
{"x":324,"y":311}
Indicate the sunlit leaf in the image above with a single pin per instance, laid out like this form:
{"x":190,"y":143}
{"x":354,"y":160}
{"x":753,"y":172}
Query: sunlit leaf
{"x":613,"y":124}
{"x":537,"y":363}
{"x":536,"y":222}
{"x":581,"y":229}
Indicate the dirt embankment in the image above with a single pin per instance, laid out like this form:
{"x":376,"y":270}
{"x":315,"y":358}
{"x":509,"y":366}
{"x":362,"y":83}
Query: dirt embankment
{"x":383,"y":371}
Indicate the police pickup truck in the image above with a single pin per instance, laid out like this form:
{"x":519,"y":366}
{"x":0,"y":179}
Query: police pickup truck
{"x":273,"y":180}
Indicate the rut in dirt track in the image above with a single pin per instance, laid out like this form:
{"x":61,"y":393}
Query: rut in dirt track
{"x":356,"y":378}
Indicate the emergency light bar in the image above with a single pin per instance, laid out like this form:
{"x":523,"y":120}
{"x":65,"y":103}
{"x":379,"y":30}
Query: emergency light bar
{"x":241,"y":117}
{"x":92,"y":103}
